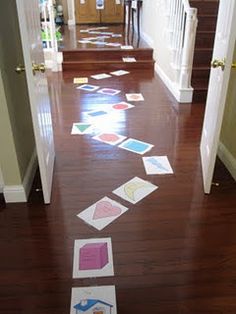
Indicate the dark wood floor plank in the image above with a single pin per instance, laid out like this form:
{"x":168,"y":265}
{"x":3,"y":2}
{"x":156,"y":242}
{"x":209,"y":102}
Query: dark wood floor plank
{"x":174,"y":251}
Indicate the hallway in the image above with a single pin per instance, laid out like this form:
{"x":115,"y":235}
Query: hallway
{"x":173,"y":252}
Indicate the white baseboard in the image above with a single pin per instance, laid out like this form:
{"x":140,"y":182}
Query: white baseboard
{"x":14,"y":194}
{"x":20,"y":193}
{"x":181,"y":95}
{"x":148,"y":39}
{"x":228,"y":160}
{"x":30,"y":173}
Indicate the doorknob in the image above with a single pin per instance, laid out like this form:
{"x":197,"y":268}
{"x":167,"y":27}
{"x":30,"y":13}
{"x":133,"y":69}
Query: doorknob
{"x":19,"y":69}
{"x":218,"y":63}
{"x":234,"y":65}
{"x":38,"y":67}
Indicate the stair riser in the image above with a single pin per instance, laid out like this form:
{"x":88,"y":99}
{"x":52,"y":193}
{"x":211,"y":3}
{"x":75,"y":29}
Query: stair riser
{"x":207,"y":23}
{"x":106,"y":55}
{"x":205,"y":7}
{"x":107,"y":67}
{"x":205,"y":40}
{"x":202,"y":58}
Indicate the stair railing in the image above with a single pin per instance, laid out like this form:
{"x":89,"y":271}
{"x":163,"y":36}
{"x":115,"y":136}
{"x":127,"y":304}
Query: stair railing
{"x":48,"y":29}
{"x":182,"y":34}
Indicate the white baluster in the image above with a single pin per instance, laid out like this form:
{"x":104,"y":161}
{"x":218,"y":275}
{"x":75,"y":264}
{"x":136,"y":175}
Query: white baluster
{"x":188,"y":49}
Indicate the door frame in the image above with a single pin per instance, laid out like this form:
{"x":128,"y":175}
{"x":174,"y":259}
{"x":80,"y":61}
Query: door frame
{"x":207,"y":173}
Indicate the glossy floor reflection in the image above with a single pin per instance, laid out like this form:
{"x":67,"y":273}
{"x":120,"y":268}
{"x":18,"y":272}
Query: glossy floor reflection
{"x":174,"y":251}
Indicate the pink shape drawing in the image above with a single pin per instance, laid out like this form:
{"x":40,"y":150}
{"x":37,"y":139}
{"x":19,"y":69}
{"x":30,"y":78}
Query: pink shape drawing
{"x":108,"y":137}
{"x":120,"y":106}
{"x":93,"y":256}
{"x":105,"y":209}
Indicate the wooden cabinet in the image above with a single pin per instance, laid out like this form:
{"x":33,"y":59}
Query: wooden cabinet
{"x":87,"y":13}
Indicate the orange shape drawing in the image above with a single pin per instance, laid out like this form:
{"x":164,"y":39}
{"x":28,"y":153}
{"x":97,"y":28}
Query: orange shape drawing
{"x":120,"y":106}
{"x":108,"y":137}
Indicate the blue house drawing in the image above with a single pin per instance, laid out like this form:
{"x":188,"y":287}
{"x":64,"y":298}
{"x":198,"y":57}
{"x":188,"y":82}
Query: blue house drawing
{"x":93,"y":306}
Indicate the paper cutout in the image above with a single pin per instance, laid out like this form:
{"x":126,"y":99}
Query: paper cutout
{"x":122,"y":106}
{"x":93,"y":300}
{"x":127,"y":48}
{"x":96,"y":113}
{"x":113,"y":44}
{"x":108,"y":91}
{"x":136,"y":146}
{"x":110,"y":138}
{"x":135,"y":190}
{"x":81,"y":128}
{"x":119,"y":72}
{"x":80,"y":80}
{"x":90,"y":215}
{"x":129,"y":59}
{"x":106,"y":33}
{"x":87,"y":87}
{"x":100,"y":76}
{"x":99,"y":4}
{"x":157,"y":165}
{"x":134,"y":97}
{"x":84,"y":41}
{"x":93,"y":258}
{"x":116,"y":35}
{"x":99,"y":43}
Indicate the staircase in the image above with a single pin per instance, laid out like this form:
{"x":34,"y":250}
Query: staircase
{"x":107,"y":59}
{"x":207,"y":17}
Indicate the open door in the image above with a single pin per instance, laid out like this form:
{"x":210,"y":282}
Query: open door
{"x":30,"y":31}
{"x":217,"y":90}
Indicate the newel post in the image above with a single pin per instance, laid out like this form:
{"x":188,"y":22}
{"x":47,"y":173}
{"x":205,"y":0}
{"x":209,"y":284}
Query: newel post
{"x":188,"y":49}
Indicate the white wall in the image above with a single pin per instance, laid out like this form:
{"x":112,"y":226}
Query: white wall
{"x":154,"y":30}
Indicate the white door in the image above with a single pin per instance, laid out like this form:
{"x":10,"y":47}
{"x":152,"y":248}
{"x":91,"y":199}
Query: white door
{"x":217,"y":90}
{"x":29,"y":20}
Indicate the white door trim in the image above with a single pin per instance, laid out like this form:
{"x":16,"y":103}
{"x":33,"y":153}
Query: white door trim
{"x":71,"y":12}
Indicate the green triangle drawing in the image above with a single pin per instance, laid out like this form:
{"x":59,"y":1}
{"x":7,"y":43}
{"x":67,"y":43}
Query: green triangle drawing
{"x":82,"y":127}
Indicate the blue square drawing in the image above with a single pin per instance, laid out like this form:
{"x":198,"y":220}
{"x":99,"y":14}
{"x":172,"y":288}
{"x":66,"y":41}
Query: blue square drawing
{"x":136,"y":146}
{"x":97,"y":113}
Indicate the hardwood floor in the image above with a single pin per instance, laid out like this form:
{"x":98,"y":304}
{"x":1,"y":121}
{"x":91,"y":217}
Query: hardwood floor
{"x":174,"y":251}
{"x":71,"y":36}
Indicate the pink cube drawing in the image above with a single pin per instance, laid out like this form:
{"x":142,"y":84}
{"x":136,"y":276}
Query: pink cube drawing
{"x":93,"y":256}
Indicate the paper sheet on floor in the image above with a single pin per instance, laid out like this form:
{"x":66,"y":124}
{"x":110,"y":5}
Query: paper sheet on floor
{"x":80,"y":80}
{"x":100,"y":76}
{"x":108,"y":91}
{"x":119,"y":72}
{"x":157,"y":165}
{"x":80,"y":128}
{"x":93,"y":258}
{"x":129,"y":59}
{"x":97,"y":300}
{"x":121,"y":106}
{"x":135,"y":190}
{"x":102,"y":213}
{"x":88,"y":87}
{"x":134,"y":97}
